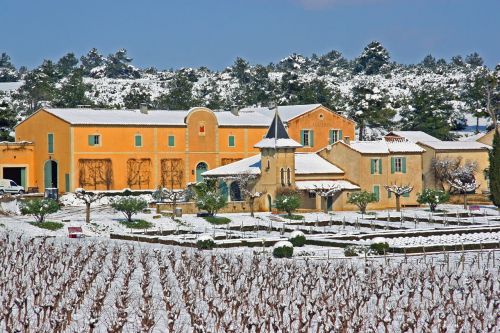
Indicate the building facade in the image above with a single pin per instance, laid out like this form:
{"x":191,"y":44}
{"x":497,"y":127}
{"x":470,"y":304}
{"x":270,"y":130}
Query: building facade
{"x":142,"y":149}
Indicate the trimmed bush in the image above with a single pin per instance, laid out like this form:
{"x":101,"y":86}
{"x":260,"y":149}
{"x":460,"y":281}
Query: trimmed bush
{"x":379,"y":246}
{"x":39,"y":208}
{"x":205,"y":242}
{"x":432,"y":198}
{"x":137,"y":224}
{"x":362,"y":199}
{"x":217,"y":219}
{"x":283,"y":249}
{"x":288,"y":203}
{"x":351,"y":251}
{"x":297,"y":238}
{"x":129,"y":206}
{"x":49,"y":225}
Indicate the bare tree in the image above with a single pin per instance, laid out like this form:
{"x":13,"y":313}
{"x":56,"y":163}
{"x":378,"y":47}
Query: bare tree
{"x":325,"y":191}
{"x":138,"y":172}
{"x":246,"y":182}
{"x":88,"y":198}
{"x":445,"y":169}
{"x":463,"y":180}
{"x":398,"y":192}
{"x":95,"y":172}
{"x":172,"y":173}
{"x":171,"y":195}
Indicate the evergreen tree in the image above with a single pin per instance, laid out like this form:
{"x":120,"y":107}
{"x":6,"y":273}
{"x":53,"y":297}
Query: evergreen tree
{"x":72,"y":92}
{"x":429,"y":110}
{"x":138,"y":95}
{"x":118,"y":66}
{"x":370,"y":106}
{"x":92,"y":60}
{"x":40,"y":85}
{"x":241,"y":70}
{"x":458,"y":61}
{"x":474,"y":59}
{"x":8,"y":72}
{"x":314,"y":92}
{"x":494,"y":169}
{"x":7,"y":121}
{"x":372,"y":59}
{"x":429,"y":62}
{"x":179,"y":95}
{"x":475,"y":96}
{"x":66,"y":64}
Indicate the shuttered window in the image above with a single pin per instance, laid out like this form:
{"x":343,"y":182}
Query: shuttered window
{"x":171,"y":141}
{"x":138,"y":140}
{"x":376,"y":166}
{"x":231,"y":141}
{"x":376,"y":191}
{"x":94,"y":140}
{"x":50,"y":143}
{"x":398,"y":164}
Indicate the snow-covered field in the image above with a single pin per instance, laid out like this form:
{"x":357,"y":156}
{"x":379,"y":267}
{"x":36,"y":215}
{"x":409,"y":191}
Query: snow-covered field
{"x":96,"y":285}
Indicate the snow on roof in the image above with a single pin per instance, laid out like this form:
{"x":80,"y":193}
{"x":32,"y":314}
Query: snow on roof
{"x":325,"y":184}
{"x":249,"y":165}
{"x":277,"y":136}
{"x":455,"y":145}
{"x":83,"y":116}
{"x":287,"y":112}
{"x":414,"y":136}
{"x":277,"y":143}
{"x":312,"y":163}
{"x":227,"y":118}
{"x":386,"y":146}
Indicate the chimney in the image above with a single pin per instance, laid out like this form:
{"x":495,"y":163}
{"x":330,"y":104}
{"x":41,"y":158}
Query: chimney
{"x":235,"y":110}
{"x":143,"y":107}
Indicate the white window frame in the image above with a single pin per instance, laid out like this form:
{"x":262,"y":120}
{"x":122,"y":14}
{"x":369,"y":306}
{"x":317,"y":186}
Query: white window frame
{"x":398,"y":164}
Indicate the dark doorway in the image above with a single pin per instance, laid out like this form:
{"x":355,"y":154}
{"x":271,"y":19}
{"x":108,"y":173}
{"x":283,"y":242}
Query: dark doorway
{"x":50,"y":174}
{"x":16,"y":174}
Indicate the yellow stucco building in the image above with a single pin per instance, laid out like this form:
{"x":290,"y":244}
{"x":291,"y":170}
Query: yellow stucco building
{"x":141,"y":149}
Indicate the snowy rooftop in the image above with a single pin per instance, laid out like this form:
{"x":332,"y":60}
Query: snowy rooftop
{"x":311,"y":163}
{"x":277,"y":143}
{"x":277,"y":136}
{"x":325,"y":184}
{"x":259,"y":117}
{"x":287,"y":112}
{"x":305,"y":164}
{"x":455,"y":145}
{"x":414,"y":136}
{"x":386,"y":146}
{"x":10,"y":86}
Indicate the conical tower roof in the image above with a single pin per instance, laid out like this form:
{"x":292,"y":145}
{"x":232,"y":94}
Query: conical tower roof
{"x":277,"y":136}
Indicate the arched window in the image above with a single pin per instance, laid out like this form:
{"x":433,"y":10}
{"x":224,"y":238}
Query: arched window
{"x":289,"y":176}
{"x":282,"y":175}
{"x":268,"y":165}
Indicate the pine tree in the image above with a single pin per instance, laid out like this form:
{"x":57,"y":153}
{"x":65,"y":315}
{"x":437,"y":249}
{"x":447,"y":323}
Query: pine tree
{"x":179,"y":96}
{"x":8,"y":72}
{"x":241,"y":70}
{"x":494,"y":169}
{"x":66,"y":64}
{"x":118,"y":66}
{"x":7,"y":121}
{"x":372,"y":59}
{"x":91,"y":60}
{"x":40,"y":85}
{"x":72,"y":92}
{"x":474,"y":59}
{"x":138,"y":95}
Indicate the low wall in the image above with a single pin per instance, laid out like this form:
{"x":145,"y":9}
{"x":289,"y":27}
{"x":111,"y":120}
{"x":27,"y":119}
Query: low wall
{"x":190,"y":207}
{"x":472,"y":199}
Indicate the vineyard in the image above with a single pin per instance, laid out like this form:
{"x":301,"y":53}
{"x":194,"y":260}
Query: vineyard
{"x":60,"y":285}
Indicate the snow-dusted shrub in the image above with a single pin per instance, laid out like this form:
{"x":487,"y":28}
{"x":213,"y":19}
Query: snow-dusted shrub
{"x":283,"y":249}
{"x":129,"y":206}
{"x":432,"y":197}
{"x":287,"y":200}
{"x":297,"y":238}
{"x":39,"y":208}
{"x":379,"y":245}
{"x":351,"y":251}
{"x":205,"y":242}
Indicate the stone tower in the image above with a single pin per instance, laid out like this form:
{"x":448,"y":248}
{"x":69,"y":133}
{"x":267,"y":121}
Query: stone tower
{"x":277,"y":159}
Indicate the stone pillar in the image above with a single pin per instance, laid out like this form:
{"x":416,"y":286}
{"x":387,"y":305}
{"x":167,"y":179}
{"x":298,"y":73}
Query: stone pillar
{"x":319,"y":199}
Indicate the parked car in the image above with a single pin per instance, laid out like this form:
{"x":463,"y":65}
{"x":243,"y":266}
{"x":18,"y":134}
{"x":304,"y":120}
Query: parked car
{"x":10,"y":186}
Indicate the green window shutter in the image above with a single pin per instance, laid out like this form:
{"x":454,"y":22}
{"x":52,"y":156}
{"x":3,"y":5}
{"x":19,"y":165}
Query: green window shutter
{"x":376,"y":191}
{"x":389,"y":194}
{"x":311,"y":138}
{"x":403,"y":162}
{"x":340,"y":135}
{"x":50,"y":141}
{"x":380,"y":166}
{"x":372,"y":167}
{"x":138,"y":140}
{"x":331,"y":137}
{"x":231,"y":141}
{"x":66,"y":180}
{"x":91,"y":140}
{"x":23,"y":178}
{"x":171,"y":140}
{"x":302,"y":137}
{"x":393,"y":164}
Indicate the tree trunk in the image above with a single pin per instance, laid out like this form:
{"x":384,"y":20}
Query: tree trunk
{"x":477,"y":124}
{"x":465,"y":200}
{"x":87,"y":212}
{"x":398,"y":204}
{"x":251,"y":202}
